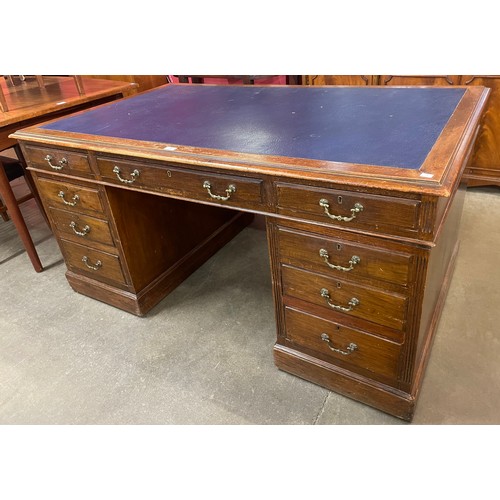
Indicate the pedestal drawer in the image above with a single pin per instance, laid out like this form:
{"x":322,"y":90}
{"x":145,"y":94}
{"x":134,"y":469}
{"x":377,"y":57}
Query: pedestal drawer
{"x":338,"y":257}
{"x":344,"y":297}
{"x":81,"y":228}
{"x":337,"y":344}
{"x":59,"y":194}
{"x":99,"y":265}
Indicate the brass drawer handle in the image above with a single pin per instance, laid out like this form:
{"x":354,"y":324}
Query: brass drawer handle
{"x":133,"y":175}
{"x":357,"y":208}
{"x":83,"y":232}
{"x":352,"y":303}
{"x":354,"y":260}
{"x":94,"y":267}
{"x":75,"y":199}
{"x":229,"y":191}
{"x":349,"y":350}
{"x":61,"y":163}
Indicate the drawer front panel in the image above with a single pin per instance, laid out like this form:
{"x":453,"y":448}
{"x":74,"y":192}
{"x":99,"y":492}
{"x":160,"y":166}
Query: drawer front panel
{"x":368,"y":211}
{"x":339,"y":258}
{"x":338,"y":344}
{"x":99,"y":265}
{"x":59,"y":194}
{"x":82,"y":228}
{"x":226,"y":190}
{"x":59,"y":161}
{"x":371,"y":304}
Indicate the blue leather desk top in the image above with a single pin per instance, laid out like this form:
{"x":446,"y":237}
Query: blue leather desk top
{"x":384,"y":126}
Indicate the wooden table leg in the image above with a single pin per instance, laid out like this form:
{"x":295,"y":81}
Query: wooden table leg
{"x":3,"y":103}
{"x":17,"y":218}
{"x":79,"y":84}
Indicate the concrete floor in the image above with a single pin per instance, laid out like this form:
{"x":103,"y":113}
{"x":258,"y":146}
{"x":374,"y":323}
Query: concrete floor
{"x":204,"y":354}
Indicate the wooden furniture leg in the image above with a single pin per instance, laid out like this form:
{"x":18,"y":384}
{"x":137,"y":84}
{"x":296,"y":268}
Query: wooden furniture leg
{"x":3,"y":103}
{"x":39,"y":80}
{"x":17,"y":218}
{"x":3,"y":212}
{"x":79,"y":84}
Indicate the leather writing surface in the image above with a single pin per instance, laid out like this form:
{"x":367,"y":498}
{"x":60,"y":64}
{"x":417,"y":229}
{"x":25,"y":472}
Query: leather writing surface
{"x":375,"y":125}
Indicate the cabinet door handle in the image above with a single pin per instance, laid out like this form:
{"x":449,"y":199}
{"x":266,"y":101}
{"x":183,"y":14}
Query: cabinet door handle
{"x":349,"y":349}
{"x":133,"y":175}
{"x":75,"y":199}
{"x":229,"y":191}
{"x":94,"y":267}
{"x":61,"y":163}
{"x":354,"y":260}
{"x":326,"y":206}
{"x":83,"y":232}
{"x":352,"y":303}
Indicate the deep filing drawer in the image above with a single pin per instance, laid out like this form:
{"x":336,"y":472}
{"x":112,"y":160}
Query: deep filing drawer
{"x":348,"y":209}
{"x":339,"y":257}
{"x":59,"y":161}
{"x":226,"y":190}
{"x":367,"y":303}
{"x":59,"y":194}
{"x":81,"y":228}
{"x":98,"y":265}
{"x":337,"y":344}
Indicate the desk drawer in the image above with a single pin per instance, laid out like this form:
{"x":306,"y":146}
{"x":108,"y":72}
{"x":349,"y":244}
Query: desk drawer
{"x":60,"y":194}
{"x":99,"y":265}
{"x":367,"y":303}
{"x":77,"y":227}
{"x":227,"y":190}
{"x":338,"y":257}
{"x":59,"y":161}
{"x":353,"y":349}
{"x":357,"y":210}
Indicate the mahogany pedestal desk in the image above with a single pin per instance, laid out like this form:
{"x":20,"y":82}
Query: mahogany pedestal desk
{"x":361,"y":192}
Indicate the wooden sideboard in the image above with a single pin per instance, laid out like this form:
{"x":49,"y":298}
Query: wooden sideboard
{"x":362,"y":216}
{"x":484,"y":167}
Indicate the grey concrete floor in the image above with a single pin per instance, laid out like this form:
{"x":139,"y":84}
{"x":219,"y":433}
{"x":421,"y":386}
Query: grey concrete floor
{"x":204,"y":354}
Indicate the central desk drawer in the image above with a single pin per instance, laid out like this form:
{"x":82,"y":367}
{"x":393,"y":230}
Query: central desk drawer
{"x":60,"y":194}
{"x":227,"y":190}
{"x":371,"y":304}
{"x":99,"y":265}
{"x":349,"y":209}
{"x":82,"y":227}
